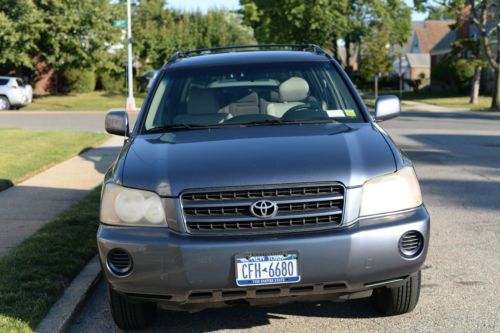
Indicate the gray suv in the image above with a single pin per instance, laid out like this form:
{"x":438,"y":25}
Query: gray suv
{"x":255,"y":174}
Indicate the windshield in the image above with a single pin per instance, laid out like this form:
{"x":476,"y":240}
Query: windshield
{"x":251,"y":95}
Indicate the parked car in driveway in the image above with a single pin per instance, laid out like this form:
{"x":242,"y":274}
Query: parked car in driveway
{"x":14,"y":94}
{"x":146,"y":80}
{"x":255,"y":174}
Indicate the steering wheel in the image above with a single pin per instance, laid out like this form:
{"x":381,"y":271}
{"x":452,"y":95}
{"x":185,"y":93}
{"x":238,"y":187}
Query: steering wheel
{"x":306,"y":111}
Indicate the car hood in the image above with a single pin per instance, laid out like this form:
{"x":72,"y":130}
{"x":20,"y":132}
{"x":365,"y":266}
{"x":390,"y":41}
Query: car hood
{"x":262,"y":155}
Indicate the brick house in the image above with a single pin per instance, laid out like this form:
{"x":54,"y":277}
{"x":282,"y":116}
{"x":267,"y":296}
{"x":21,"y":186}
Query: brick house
{"x":415,"y":60}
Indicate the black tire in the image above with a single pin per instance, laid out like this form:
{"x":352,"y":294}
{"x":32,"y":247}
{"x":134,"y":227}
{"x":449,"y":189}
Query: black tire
{"x":398,"y":300}
{"x":4,"y":103}
{"x":129,"y":314}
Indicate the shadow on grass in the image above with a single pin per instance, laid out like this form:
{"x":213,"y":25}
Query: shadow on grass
{"x":5,"y":184}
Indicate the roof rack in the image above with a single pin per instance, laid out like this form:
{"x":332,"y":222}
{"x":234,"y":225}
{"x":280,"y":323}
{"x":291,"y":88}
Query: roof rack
{"x":264,"y":47}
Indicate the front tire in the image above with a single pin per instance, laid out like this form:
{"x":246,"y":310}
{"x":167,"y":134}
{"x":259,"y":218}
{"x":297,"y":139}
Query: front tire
{"x":4,"y":103}
{"x":129,"y":314}
{"x":398,"y":300}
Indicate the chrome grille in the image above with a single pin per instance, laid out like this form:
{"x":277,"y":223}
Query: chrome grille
{"x":299,"y":207}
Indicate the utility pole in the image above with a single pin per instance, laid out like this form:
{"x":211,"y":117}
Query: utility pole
{"x":400,"y":77}
{"x":130,"y":79}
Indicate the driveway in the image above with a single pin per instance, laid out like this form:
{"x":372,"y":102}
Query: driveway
{"x":457,"y":158}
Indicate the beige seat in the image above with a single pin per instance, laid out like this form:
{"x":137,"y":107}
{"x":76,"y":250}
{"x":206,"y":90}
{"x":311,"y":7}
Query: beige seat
{"x":248,"y":104}
{"x":291,"y":93}
{"x":202,"y":109}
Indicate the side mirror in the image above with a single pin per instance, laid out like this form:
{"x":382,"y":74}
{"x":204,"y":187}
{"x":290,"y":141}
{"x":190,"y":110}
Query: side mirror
{"x":117,"y":123}
{"x":387,"y":107}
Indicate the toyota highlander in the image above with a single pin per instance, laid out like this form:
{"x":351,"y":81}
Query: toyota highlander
{"x":255,"y":174}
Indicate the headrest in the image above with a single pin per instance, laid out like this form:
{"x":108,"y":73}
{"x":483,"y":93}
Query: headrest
{"x":202,"y":101}
{"x":294,"y":89}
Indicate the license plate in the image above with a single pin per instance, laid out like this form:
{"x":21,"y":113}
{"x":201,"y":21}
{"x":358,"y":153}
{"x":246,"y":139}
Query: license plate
{"x":267,"y":269}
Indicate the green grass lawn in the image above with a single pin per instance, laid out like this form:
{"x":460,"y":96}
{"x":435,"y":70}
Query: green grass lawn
{"x":95,"y":101}
{"x":25,"y":152}
{"x":34,"y":274}
{"x":461,"y":102}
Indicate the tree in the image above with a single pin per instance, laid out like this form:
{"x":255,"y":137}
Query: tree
{"x":472,"y":65}
{"x":365,"y":17}
{"x":20,"y":23}
{"x":324,"y":22}
{"x":296,"y":21}
{"x":375,"y":56}
{"x":482,"y":13}
{"x":159,"y":31}
{"x":437,"y":12}
{"x":77,"y":33}
{"x":485,"y":15}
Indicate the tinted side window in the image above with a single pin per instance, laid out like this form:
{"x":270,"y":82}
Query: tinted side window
{"x":20,"y":83}
{"x":3,"y":82}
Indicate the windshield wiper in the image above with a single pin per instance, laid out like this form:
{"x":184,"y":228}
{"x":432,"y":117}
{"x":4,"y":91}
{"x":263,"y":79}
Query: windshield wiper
{"x":264,"y":122}
{"x":289,"y":122}
{"x":175,"y":127}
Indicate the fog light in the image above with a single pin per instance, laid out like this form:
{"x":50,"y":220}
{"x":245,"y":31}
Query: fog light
{"x":411,"y":244}
{"x":119,"y":262}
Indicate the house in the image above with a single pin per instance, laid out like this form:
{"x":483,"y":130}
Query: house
{"x":419,"y":68}
{"x":414,"y":61}
{"x":466,"y":30}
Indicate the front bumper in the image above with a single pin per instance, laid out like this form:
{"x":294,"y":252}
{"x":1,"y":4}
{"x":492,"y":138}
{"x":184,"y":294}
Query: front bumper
{"x":170,"y":267}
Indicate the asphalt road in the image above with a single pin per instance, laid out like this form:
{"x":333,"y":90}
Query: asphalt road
{"x":457,"y":158}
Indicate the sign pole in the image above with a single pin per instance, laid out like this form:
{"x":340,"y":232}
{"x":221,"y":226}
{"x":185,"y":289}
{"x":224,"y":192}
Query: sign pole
{"x":130,"y":98}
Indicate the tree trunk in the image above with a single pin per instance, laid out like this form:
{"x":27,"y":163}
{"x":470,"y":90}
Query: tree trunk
{"x":348,"y":56}
{"x":376,"y":86}
{"x":495,"y":103}
{"x":400,"y":77}
{"x":476,"y":80}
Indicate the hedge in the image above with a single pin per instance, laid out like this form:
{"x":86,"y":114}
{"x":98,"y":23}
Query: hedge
{"x":80,"y":81}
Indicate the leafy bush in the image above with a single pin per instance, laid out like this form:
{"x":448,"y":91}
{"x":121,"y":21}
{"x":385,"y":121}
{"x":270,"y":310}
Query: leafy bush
{"x":462,"y":71}
{"x":111,"y":82}
{"x":454,"y":73}
{"x":441,"y":71}
{"x":79,"y":80}
{"x":416,"y":83}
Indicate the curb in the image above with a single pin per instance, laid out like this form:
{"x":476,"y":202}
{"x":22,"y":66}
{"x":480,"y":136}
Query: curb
{"x":64,"y":311}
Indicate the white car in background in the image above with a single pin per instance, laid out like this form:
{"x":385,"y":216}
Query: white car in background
{"x":14,"y":94}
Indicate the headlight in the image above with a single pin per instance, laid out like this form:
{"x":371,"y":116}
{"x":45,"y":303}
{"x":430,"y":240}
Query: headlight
{"x":390,"y":193}
{"x":126,"y":206}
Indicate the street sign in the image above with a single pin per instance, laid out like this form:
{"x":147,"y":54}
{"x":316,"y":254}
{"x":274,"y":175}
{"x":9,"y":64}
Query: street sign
{"x":119,"y":23}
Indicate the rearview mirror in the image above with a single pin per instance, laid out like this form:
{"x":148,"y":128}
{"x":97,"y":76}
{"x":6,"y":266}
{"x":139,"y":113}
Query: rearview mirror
{"x":117,"y":123}
{"x":387,"y":107}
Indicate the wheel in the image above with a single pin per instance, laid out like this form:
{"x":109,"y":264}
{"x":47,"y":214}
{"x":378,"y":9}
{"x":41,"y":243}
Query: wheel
{"x":129,"y":314}
{"x":4,"y":103}
{"x":398,"y":300}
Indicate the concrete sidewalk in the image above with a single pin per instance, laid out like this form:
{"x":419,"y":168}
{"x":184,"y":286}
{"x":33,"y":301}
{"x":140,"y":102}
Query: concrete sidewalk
{"x":418,"y":106}
{"x":29,"y":205}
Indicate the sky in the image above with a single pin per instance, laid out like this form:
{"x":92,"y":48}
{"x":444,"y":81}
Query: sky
{"x":234,"y":4}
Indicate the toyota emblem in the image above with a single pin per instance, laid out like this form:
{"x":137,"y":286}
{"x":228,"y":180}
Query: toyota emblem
{"x":264,"y":209}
